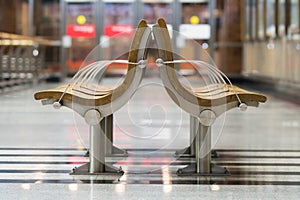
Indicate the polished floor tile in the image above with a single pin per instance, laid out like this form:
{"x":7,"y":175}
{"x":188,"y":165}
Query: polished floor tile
{"x":40,"y":145}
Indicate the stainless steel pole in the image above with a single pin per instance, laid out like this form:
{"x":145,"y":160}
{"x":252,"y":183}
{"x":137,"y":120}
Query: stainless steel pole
{"x":193,"y":130}
{"x":109,"y":134}
{"x":202,"y":148}
{"x":97,"y":144}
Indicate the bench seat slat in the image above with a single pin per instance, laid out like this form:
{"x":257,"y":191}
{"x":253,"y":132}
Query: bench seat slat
{"x":83,"y":95}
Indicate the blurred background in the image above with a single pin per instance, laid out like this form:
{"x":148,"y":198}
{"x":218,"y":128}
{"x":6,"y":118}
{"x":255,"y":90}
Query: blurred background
{"x":49,"y":39}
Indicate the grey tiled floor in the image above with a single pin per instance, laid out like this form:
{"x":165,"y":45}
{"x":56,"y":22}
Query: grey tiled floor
{"x":39,"y":145}
{"x":119,"y":191}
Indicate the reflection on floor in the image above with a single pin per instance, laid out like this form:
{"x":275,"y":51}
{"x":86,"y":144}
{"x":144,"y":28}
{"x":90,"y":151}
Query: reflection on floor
{"x":40,"y":145}
{"x":246,"y":167}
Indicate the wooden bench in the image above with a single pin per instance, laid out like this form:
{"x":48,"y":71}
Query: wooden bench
{"x":203,"y":104}
{"x":97,"y":103}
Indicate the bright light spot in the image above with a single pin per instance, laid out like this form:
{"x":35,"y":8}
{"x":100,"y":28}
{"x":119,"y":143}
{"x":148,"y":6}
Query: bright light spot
{"x":215,"y":187}
{"x":73,"y":187}
{"x":25,"y":186}
{"x":79,"y":147}
{"x":270,"y":46}
{"x":38,"y":182}
{"x":124,"y":177}
{"x":205,"y":45}
{"x":35,"y":52}
{"x":167,"y":179}
{"x":194,"y":20}
{"x":120,"y":188}
{"x":81,"y":19}
{"x":167,"y":188}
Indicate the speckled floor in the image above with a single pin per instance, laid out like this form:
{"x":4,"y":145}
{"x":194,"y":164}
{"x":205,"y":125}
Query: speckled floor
{"x":40,"y":145}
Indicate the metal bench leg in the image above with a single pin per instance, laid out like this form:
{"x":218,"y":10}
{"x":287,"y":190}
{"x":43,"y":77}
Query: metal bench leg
{"x":98,"y":147}
{"x":193,"y":132}
{"x":109,"y":134}
{"x":190,"y":151}
{"x":110,"y":149}
{"x":202,"y":149}
{"x":97,"y":152}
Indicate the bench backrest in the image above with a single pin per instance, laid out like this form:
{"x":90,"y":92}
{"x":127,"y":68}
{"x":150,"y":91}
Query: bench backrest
{"x":171,"y":82}
{"x":138,"y":52}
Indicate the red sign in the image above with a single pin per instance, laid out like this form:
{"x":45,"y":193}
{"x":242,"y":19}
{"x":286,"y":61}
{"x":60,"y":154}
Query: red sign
{"x":118,"y":30}
{"x":87,"y":31}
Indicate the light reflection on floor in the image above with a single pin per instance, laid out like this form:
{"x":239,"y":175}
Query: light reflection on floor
{"x":39,"y":146}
